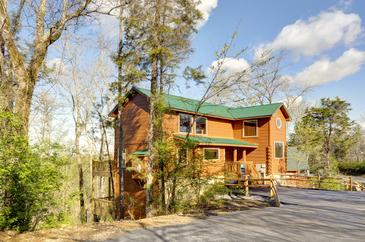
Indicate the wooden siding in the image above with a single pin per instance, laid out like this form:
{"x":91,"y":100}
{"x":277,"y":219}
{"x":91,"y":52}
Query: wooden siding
{"x":276,"y":134}
{"x":135,"y":123}
{"x":135,"y":127}
{"x":258,"y":155}
{"x":214,"y":167}
{"x":220,"y":128}
{"x":215,"y":127}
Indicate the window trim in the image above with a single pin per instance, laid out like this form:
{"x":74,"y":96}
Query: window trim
{"x":206,"y":125}
{"x":243,"y":128}
{"x":281,"y":123}
{"x":191,"y":122}
{"x":278,"y":142}
{"x":219,"y":154}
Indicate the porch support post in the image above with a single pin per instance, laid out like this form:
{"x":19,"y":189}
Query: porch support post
{"x":235,"y":155}
{"x":244,"y":156}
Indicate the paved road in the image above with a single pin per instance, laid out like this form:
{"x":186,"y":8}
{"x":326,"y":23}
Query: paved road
{"x":306,"y":215}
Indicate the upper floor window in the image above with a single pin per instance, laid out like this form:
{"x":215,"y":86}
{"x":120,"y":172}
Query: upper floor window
{"x":201,"y":125}
{"x":250,"y":128}
{"x":185,"y":122}
{"x":278,"y":123}
{"x":279,"y":150}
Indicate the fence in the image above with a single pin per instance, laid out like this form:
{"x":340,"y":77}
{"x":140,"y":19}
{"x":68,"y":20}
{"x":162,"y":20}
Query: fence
{"x":320,"y":182}
{"x":102,"y":190}
{"x":247,"y":183}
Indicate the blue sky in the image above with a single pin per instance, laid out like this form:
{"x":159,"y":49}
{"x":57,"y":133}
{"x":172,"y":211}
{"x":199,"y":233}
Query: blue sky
{"x":259,"y":22}
{"x":324,"y":42}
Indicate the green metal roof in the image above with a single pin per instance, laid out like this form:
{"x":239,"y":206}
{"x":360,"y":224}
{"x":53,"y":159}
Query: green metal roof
{"x":205,"y":140}
{"x":190,"y":105}
{"x":255,"y":111}
{"x":297,"y":160}
{"x":217,"y":141}
{"x":141,"y":152}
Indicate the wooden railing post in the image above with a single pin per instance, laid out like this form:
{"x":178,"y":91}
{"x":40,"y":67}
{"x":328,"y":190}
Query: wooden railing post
{"x":245,"y":184}
{"x":350,"y":183}
{"x":271,"y":188}
{"x":319,"y":181}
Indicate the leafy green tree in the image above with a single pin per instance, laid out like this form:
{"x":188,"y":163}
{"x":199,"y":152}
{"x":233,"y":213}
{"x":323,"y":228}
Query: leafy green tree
{"x":156,"y":38}
{"x":28,"y":178}
{"x":326,"y":133}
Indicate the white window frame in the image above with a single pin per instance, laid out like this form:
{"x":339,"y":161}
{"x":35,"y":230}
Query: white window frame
{"x":206,"y":125}
{"x":191,"y":122}
{"x":281,"y":123}
{"x":219,"y":153}
{"x":278,"y":142}
{"x":243,"y":128}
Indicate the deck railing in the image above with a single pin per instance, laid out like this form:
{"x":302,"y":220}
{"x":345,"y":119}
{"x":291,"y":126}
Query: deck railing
{"x":246,"y":183}
{"x":232,"y":168}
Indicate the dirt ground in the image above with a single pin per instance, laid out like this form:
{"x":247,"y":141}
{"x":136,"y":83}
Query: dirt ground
{"x":109,"y":230}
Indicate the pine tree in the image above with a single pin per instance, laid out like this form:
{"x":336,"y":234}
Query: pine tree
{"x":326,"y":133}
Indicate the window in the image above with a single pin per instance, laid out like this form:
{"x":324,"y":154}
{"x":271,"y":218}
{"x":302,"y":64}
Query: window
{"x":211,"y":154}
{"x":250,"y":128}
{"x":278,"y":123}
{"x":185,"y":122}
{"x":279,"y":150}
{"x":183,"y":155}
{"x":201,"y":125}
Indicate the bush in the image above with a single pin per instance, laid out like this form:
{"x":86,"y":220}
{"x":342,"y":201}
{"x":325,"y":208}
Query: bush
{"x":352,"y":168}
{"x":29,"y":178}
{"x":332,"y":184}
{"x":212,"y":191}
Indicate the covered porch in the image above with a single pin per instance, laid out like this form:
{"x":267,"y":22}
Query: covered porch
{"x":233,"y":159}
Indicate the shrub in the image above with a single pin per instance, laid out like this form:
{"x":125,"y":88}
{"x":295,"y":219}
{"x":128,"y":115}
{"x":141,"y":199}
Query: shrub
{"x":212,"y":191}
{"x":352,"y":168}
{"x":332,"y":184}
{"x":28,"y":178}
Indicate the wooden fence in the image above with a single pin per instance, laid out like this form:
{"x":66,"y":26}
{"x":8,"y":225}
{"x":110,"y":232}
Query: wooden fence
{"x":320,"y":182}
{"x":247,"y":183}
{"x":102,"y":190}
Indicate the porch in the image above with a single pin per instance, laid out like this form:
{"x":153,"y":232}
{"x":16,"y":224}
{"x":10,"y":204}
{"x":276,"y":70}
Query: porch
{"x":231,"y":154}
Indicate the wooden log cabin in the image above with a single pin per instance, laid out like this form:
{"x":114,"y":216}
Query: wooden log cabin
{"x":235,"y":139}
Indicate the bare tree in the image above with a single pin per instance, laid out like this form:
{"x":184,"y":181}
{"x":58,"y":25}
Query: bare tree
{"x":44,"y":23}
{"x":78,"y":90}
{"x":43,"y":112}
{"x":263,"y":83}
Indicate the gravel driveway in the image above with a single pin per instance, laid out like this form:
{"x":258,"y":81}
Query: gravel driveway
{"x":305,"y":215}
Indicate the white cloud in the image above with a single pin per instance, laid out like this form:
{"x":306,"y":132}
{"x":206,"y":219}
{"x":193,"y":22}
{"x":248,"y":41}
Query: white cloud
{"x":325,"y":70}
{"x":206,"y":7}
{"x":318,"y":33}
{"x":230,"y":65}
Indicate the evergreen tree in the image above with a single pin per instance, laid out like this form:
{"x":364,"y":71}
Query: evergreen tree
{"x":326,"y":133}
{"x":156,"y":39}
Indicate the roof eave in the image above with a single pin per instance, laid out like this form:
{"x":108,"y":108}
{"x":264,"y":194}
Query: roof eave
{"x":113,"y":112}
{"x":228,"y":145}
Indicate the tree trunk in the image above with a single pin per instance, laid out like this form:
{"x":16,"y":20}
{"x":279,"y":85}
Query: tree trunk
{"x":83,"y":217}
{"x":153,"y":129}
{"x":119,"y":121}
{"x":151,"y":140}
{"x":162,"y":189}
{"x":23,"y":101}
